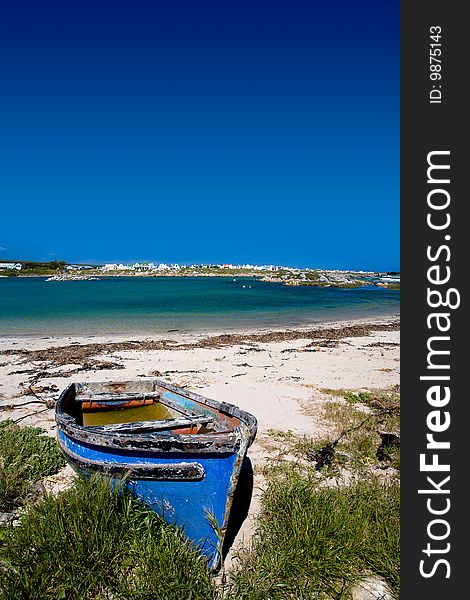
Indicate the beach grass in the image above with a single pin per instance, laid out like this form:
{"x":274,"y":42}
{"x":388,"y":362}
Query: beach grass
{"x":315,"y":542}
{"x":364,"y":430}
{"x":364,"y":434}
{"x":96,"y":542}
{"x":26,"y":456}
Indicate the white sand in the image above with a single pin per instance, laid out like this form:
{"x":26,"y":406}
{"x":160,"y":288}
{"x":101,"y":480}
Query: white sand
{"x":280,"y":384}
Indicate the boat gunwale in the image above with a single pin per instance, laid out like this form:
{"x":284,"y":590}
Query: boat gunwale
{"x":163,"y":441}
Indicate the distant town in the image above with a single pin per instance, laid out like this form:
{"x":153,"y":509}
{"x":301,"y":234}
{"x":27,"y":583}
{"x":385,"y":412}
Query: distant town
{"x":62,"y":271}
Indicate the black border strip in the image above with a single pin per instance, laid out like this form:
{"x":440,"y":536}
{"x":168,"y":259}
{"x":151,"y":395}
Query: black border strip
{"x":426,"y":127}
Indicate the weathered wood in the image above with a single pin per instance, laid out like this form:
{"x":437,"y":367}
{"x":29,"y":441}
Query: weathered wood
{"x":106,"y":397}
{"x":150,"y":442}
{"x":231,"y":424}
{"x":182,"y":471}
{"x":124,"y":400}
{"x":178,"y":408}
{"x":141,"y":426}
{"x":97,"y":405}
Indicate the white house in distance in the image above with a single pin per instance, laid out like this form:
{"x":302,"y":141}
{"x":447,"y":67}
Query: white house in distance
{"x":141,"y":266}
{"x":11,"y":266}
{"x":116,"y":267}
{"x":78,"y":267}
{"x":144,"y":266}
{"x":165,"y":267}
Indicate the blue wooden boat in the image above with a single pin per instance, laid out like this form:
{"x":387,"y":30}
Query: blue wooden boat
{"x":180,"y":452}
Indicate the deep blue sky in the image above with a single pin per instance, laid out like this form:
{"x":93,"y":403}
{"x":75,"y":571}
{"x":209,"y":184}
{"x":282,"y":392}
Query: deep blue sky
{"x":201,"y":131}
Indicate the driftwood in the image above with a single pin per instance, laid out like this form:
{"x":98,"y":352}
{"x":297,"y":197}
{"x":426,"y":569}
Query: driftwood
{"x":324,"y":456}
{"x":30,"y":415}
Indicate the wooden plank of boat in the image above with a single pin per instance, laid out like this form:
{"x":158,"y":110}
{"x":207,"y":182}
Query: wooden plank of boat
{"x":141,"y":426}
{"x":98,"y":404}
{"x":104,"y":397}
{"x":181,"y":409}
{"x":128,"y":400}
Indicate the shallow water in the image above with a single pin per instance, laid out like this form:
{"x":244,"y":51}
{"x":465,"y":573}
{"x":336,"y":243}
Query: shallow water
{"x":151,"y":412}
{"x":122,"y":305}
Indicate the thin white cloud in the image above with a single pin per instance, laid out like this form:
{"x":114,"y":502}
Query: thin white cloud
{"x":2,"y":248}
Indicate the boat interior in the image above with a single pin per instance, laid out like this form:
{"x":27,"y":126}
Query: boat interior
{"x":142,"y":407}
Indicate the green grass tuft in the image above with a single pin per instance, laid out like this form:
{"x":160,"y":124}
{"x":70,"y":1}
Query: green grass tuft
{"x":315,"y":542}
{"x":94,"y":542}
{"x":26,"y":456}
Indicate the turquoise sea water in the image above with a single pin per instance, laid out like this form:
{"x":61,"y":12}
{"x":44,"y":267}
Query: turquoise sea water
{"x":34,"y":306}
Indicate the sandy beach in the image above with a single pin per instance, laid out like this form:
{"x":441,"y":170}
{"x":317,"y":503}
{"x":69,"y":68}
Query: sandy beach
{"x":279,"y":375}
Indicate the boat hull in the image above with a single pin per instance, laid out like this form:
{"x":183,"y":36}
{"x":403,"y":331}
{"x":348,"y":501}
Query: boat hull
{"x":189,"y":482}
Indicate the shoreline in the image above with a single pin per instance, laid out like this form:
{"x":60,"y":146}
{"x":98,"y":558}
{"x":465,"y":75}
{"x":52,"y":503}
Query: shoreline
{"x":323,"y":278}
{"x":104,"y":336}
